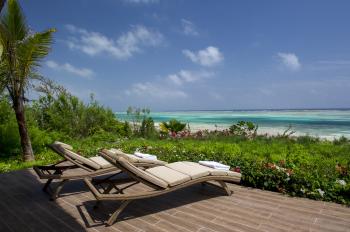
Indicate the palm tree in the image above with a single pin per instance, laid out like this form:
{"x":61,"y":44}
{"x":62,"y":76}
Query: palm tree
{"x":21,"y":51}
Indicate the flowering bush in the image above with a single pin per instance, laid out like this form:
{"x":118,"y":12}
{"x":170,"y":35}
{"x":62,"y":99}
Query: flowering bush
{"x":316,"y":169}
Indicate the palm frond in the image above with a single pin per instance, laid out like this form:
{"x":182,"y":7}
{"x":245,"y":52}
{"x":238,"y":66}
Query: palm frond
{"x":32,"y":50}
{"x":14,"y":21}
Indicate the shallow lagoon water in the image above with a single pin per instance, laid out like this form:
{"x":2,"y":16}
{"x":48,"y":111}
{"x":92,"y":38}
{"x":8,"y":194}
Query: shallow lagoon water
{"x":328,"y":124}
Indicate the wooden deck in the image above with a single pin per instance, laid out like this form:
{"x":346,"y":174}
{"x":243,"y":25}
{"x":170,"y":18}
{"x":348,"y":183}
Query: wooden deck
{"x":24,"y":207}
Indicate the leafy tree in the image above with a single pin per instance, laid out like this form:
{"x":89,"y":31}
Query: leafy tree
{"x":137,"y":116}
{"x":66,"y":113}
{"x":147,"y":128}
{"x":246,"y":129}
{"x":174,"y":126}
{"x":21,"y":53}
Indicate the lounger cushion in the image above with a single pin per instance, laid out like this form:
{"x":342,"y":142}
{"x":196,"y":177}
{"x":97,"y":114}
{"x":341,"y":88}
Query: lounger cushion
{"x":140,"y":173}
{"x":118,"y":153}
{"x":101,"y":162}
{"x":193,"y":171}
{"x":235,"y":174}
{"x":132,"y":158}
{"x":169,"y":175}
{"x":64,"y":145}
{"x":81,"y":159}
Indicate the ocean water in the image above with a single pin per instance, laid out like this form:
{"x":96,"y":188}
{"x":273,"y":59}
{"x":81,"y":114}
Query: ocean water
{"x":327,"y":124}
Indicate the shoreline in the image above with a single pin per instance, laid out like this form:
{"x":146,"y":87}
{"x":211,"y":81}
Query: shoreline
{"x":268,"y":131}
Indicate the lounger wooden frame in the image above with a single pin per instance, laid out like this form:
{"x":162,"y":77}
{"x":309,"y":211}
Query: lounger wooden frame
{"x":126,"y":199}
{"x":58,"y":170}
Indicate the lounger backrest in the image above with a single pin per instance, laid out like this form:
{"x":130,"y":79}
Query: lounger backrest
{"x":74,"y":156}
{"x":135,"y":171}
{"x":140,"y":173}
{"x":116,"y":153}
{"x":64,"y":145}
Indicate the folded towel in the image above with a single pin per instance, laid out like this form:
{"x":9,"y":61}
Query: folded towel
{"x":215,"y":165}
{"x":145,"y":156}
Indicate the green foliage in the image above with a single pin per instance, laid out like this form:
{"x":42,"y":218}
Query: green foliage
{"x":173,"y":126}
{"x":242,"y":128}
{"x":9,"y":137}
{"x":69,"y":115}
{"x":22,"y":50}
{"x":147,"y":129}
{"x":60,"y":116}
{"x":314,"y":169}
{"x":142,"y":123}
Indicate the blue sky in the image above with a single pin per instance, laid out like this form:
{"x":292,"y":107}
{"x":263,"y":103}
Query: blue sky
{"x":183,"y":55}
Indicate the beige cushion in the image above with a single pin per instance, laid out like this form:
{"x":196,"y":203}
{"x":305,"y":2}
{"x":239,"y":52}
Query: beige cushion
{"x":81,"y":159}
{"x":118,"y":153}
{"x":140,"y":173}
{"x":101,"y":162}
{"x":132,"y":158}
{"x":235,"y":174}
{"x":169,"y":175}
{"x":64,"y":145}
{"x":193,"y":171}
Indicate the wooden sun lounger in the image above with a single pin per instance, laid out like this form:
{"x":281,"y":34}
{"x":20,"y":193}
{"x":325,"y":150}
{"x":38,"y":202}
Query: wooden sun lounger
{"x":162,"y":180}
{"x":75,"y":166}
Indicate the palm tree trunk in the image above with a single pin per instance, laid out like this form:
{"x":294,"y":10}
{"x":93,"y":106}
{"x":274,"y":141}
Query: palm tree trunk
{"x":27,"y":150}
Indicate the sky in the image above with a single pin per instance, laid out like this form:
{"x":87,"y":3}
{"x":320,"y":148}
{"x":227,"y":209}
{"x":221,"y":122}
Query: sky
{"x":199,"y":54}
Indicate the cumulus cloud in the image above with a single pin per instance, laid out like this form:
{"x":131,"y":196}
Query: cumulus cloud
{"x":209,"y":56}
{"x":154,"y":90}
{"x":171,"y":87}
{"x":124,"y":47}
{"x":290,"y":60}
{"x":186,"y":76}
{"x":188,"y":27}
{"x":83,"y":72}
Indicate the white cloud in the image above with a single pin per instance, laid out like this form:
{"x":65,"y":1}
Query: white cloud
{"x":83,"y":72}
{"x":124,"y":47}
{"x":206,"y":57}
{"x":186,"y":76}
{"x":154,"y":90}
{"x":290,"y":60}
{"x":188,"y":27}
{"x":169,"y":88}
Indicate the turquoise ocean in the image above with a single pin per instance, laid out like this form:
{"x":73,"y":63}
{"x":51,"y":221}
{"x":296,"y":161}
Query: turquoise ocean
{"x":328,"y":124}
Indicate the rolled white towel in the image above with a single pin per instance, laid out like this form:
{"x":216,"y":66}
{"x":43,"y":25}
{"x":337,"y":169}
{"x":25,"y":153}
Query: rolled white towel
{"x":215,"y":165}
{"x":145,"y":156}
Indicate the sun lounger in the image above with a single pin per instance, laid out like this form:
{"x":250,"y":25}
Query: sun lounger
{"x":161,"y":179}
{"x":75,"y":166}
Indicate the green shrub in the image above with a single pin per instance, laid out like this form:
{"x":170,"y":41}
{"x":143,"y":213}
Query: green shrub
{"x":276,"y":164}
{"x":173,"y":126}
{"x":69,"y":115}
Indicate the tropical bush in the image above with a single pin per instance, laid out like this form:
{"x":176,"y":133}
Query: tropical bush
{"x":243,"y":128}
{"x":69,"y":115}
{"x":173,"y":126}
{"x":57,"y":117}
{"x":317,"y":169}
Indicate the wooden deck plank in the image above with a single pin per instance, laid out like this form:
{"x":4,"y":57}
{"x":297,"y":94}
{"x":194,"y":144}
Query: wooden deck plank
{"x":24,"y":207}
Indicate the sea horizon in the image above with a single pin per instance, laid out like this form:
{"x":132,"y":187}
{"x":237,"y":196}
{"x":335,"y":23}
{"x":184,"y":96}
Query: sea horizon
{"x":329,"y":123}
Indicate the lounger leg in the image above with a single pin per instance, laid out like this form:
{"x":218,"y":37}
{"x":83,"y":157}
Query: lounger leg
{"x":225,"y":187}
{"x":47,"y":184}
{"x":57,"y":190}
{"x":115,"y":215}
